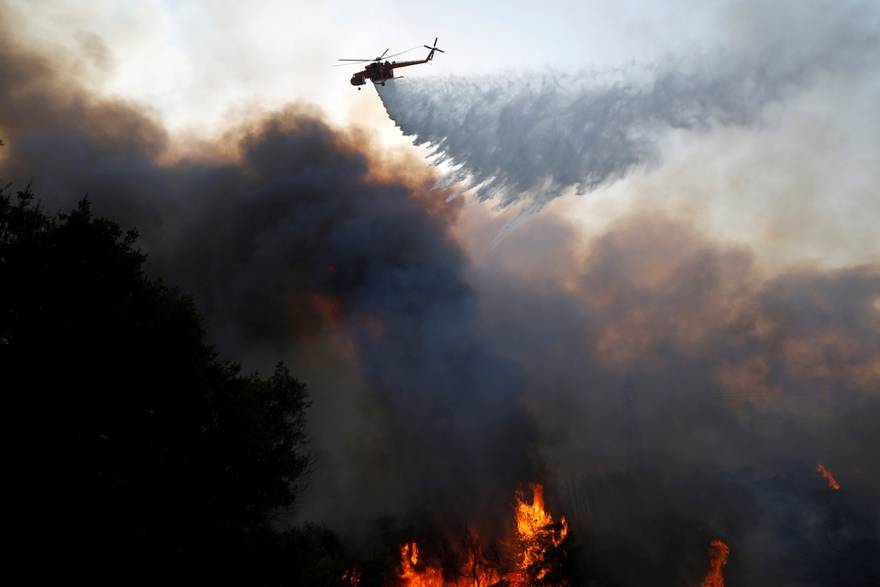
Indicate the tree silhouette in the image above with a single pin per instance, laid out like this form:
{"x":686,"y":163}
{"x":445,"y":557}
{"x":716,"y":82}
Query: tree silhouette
{"x":133,"y":444}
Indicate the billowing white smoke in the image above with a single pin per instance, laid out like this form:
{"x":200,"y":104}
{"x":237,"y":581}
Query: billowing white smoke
{"x":527,"y":137}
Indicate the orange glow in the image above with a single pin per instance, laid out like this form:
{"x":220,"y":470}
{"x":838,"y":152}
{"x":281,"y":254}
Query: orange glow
{"x":535,"y":533}
{"x":410,"y":576}
{"x":328,"y":309}
{"x":352,"y":577}
{"x":531,"y":517}
{"x":832,"y":482}
{"x":718,"y":553}
{"x":472,"y":573}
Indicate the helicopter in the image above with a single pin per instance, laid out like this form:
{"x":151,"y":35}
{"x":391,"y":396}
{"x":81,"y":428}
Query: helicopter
{"x":379,"y":71}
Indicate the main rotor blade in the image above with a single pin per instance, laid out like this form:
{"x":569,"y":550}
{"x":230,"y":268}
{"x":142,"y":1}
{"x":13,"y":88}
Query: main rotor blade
{"x":402,"y":52}
{"x":383,"y":54}
{"x":364,"y":60}
{"x":346,"y":64}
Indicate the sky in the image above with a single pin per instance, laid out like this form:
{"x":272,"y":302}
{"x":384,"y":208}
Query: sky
{"x":194,"y":61}
{"x":202,"y":67}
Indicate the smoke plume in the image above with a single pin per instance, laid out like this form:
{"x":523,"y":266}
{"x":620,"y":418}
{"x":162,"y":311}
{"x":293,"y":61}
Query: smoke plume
{"x":299,"y":238}
{"x":682,"y":396}
{"x":666,"y":389}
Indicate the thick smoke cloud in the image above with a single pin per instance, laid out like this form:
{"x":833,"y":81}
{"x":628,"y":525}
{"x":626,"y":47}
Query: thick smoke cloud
{"x":299,"y":237}
{"x":529,"y":136}
{"x":682,"y":396}
{"x":665,"y":389}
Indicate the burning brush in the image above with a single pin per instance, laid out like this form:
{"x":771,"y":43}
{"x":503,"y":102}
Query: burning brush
{"x":535,"y":551}
{"x":718,"y":553}
{"x":832,"y":482}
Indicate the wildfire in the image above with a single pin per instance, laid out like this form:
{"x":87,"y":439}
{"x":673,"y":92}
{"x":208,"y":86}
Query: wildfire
{"x":351,"y":577}
{"x":536,"y":534}
{"x":718,"y":553}
{"x":327,"y":308}
{"x":410,"y":576}
{"x":472,"y":573}
{"x":832,"y":482}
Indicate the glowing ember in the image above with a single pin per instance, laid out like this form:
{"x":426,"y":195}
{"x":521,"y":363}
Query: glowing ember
{"x":718,"y":553}
{"x":832,"y":482}
{"x":351,"y":577}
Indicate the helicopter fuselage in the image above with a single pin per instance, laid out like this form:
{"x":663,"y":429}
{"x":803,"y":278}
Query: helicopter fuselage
{"x":381,"y":71}
{"x":378,"y":71}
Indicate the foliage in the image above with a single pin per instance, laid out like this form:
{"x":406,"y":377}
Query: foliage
{"x":133,"y":443}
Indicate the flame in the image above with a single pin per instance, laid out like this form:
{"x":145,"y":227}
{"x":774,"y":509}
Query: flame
{"x":410,"y":576}
{"x":832,"y":482}
{"x":536,"y":532}
{"x":718,"y":553}
{"x":475,"y":574}
{"x":351,"y":577}
{"x":471,"y":574}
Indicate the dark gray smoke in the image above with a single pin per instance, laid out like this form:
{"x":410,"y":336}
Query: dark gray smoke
{"x":529,"y":136}
{"x":680,"y":397}
{"x":665,"y":390}
{"x":288,"y":245}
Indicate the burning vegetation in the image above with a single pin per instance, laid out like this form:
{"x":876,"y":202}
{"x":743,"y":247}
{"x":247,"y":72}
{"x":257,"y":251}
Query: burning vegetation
{"x":410,"y":347}
{"x":718,"y":553}
{"x":832,"y":482}
{"x":351,"y":576}
{"x":537,"y":536}
{"x":410,"y":576}
{"x":534,"y":554}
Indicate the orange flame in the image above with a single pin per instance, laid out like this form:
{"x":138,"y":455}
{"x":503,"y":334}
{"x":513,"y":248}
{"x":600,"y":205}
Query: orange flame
{"x":473,"y":574}
{"x":718,"y":553}
{"x":832,"y":482}
{"x":410,"y":576}
{"x":351,"y":577}
{"x":536,"y":532}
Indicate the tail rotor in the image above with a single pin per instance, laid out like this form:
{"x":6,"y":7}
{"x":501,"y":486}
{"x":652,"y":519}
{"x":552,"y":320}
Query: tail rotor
{"x":432,"y":49}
